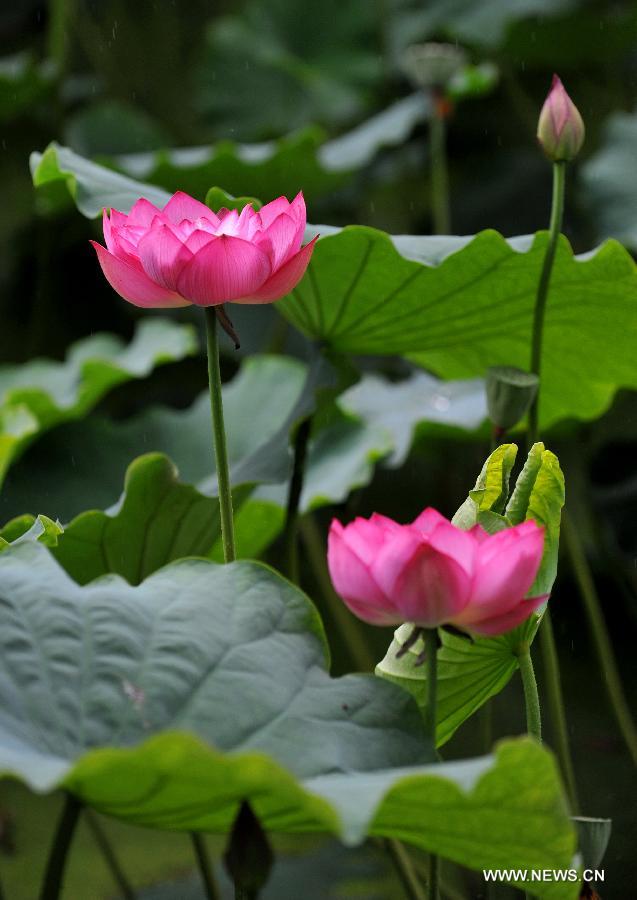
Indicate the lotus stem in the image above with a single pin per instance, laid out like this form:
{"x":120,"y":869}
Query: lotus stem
{"x":555,"y":699}
{"x":555,"y":227}
{"x":430,"y":636}
{"x":531,"y":697}
{"x":440,"y":207}
{"x":405,"y":870}
{"x":301,"y":441}
{"x":599,"y":635}
{"x":219,"y":436}
{"x":211,"y":890}
{"x":55,"y":867}
{"x":108,"y":853}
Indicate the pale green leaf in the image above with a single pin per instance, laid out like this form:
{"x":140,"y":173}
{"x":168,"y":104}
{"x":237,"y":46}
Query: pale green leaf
{"x":121,"y":694}
{"x":459,"y":305}
{"x":40,"y":394}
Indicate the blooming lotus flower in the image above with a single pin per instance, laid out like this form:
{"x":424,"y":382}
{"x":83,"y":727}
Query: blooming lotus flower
{"x":431,"y":573}
{"x":560,"y":129}
{"x":185,"y":253}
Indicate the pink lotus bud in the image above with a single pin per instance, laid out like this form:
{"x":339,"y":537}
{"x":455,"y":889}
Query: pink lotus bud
{"x":185,"y":253}
{"x":560,"y":129}
{"x":431,"y":573}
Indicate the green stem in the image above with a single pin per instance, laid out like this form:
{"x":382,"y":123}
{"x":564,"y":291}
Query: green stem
{"x":599,"y":634}
{"x":219,"y":435}
{"x":108,"y":853}
{"x":211,"y":890}
{"x":546,"y":637}
{"x":531,"y":697}
{"x":440,"y":210}
{"x":405,"y":870}
{"x":301,"y":441}
{"x":555,"y":227}
{"x":555,"y":700}
{"x":430,"y":636}
{"x":54,"y":875}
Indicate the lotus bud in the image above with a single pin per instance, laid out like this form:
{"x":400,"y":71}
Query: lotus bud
{"x":560,"y":129}
{"x":248,"y":858}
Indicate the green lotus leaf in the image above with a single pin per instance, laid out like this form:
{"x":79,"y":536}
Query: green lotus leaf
{"x":36,"y":396}
{"x":459,"y":305}
{"x":122,"y":694}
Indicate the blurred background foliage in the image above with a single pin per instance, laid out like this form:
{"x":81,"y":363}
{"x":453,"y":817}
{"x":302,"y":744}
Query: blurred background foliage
{"x":268,"y":96}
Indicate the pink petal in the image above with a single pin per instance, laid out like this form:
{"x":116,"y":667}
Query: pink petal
{"x":107,"y":230}
{"x":248,"y":223}
{"x":353,"y":581}
{"x":270,"y":211}
{"x":163,"y":256}
{"x":279,"y":240}
{"x":459,"y":544}
{"x":183,"y":206}
{"x":507,"y":621}
{"x":428,"y":519}
{"x":366,"y":537}
{"x":374,"y":613}
{"x":133,"y":284}
{"x":118,"y":218}
{"x":430,"y":589}
{"x":228,"y":222}
{"x":227,"y":268}
{"x":299,"y":214}
{"x":142,"y":213}
{"x":384,"y":522}
{"x":454,"y":542}
{"x":502,"y":578}
{"x":198,"y":239}
{"x":281,"y":282}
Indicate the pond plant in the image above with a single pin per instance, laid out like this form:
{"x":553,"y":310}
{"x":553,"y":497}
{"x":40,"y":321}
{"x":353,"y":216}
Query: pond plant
{"x":156,"y":673}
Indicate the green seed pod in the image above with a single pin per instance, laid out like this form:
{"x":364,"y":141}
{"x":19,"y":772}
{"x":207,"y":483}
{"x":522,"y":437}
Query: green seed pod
{"x":510,"y":393}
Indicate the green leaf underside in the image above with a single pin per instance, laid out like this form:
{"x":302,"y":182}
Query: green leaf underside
{"x":270,"y":394}
{"x":38,"y":395}
{"x":472,"y":671}
{"x":90,"y":675}
{"x":264,"y":399}
{"x":457,"y":306}
{"x":454,"y":305}
{"x":300,"y":161}
{"x":157,"y":521}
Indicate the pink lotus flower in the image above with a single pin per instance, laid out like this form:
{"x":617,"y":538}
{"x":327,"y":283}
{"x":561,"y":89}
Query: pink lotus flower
{"x":560,"y":129}
{"x":186,"y":253}
{"x":431,"y":573}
